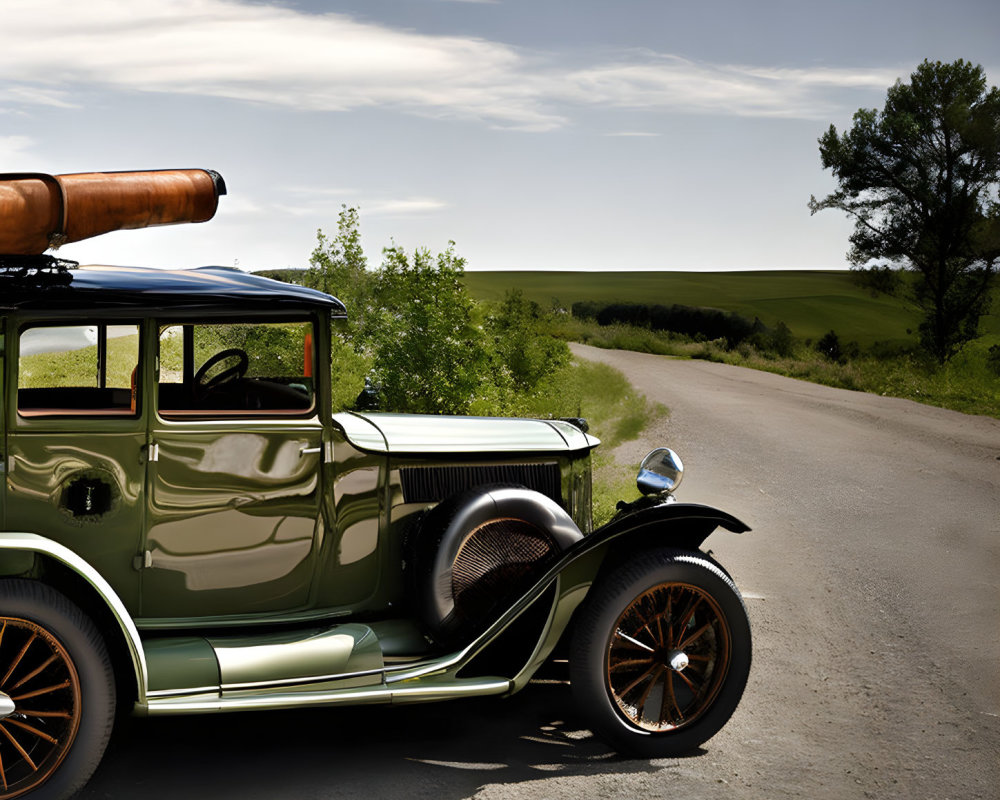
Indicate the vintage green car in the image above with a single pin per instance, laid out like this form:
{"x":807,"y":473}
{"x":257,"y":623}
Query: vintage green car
{"x":187,"y":526}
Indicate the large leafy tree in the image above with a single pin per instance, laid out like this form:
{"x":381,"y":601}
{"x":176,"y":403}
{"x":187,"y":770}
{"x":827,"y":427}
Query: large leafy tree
{"x":338,"y":266}
{"x":429,"y":355}
{"x":413,"y":330}
{"x":920,"y":178}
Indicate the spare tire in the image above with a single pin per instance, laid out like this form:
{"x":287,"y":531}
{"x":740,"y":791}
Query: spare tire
{"x":475,"y":553}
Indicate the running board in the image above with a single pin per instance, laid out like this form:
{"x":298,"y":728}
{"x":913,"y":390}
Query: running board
{"x":315,"y":667}
{"x":348,"y":655}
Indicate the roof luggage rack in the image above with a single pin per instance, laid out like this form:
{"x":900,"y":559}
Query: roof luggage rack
{"x":20,"y":272}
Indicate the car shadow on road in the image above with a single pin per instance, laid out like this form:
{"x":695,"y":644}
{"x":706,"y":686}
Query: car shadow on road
{"x":442,"y":750}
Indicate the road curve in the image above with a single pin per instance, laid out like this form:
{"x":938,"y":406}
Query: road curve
{"x":872,"y":575}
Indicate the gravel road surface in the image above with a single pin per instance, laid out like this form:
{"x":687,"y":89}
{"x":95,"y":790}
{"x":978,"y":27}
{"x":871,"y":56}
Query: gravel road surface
{"x":872,"y":577}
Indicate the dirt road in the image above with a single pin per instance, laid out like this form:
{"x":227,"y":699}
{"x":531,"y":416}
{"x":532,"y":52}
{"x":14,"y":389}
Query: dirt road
{"x":872,"y":577}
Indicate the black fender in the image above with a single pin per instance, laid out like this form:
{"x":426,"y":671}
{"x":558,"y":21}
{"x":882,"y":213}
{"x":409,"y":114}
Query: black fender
{"x":645,"y":524}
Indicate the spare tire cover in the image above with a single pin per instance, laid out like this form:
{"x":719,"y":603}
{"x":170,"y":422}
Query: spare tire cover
{"x":478,"y":551}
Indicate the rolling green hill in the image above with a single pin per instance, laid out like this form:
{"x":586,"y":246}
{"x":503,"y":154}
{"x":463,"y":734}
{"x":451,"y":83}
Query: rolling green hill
{"x":809,"y":302}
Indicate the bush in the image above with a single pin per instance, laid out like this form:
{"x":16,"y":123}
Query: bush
{"x":707,"y":323}
{"x":522,"y":351}
{"x":428,"y":355}
{"x":993,"y":359}
{"x":829,"y":346}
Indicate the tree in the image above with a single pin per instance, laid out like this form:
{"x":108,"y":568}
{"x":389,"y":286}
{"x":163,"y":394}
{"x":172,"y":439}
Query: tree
{"x":338,"y":266}
{"x":829,"y":346}
{"x":520,"y":346}
{"x":429,"y":355}
{"x":921,"y":180}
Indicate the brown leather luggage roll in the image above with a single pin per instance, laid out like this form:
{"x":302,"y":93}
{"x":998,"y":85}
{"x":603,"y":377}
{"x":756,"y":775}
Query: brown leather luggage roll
{"x":40,"y":211}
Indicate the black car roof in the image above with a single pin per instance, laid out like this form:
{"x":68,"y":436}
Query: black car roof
{"x":91,"y":287}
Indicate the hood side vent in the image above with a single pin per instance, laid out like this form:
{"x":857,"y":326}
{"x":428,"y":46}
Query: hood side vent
{"x":433,"y":484}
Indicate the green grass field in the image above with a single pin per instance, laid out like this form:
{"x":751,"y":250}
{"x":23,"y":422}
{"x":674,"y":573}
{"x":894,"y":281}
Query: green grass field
{"x":809,"y":302}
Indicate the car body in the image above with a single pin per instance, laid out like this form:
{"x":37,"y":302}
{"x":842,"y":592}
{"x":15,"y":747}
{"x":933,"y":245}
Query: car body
{"x":189,"y":527}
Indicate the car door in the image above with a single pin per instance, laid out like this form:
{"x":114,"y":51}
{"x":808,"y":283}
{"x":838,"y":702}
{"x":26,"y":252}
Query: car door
{"x":76,"y":429}
{"x":234,"y":480}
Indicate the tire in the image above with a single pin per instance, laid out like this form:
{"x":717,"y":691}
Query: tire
{"x":662,"y":608}
{"x":56,"y":673}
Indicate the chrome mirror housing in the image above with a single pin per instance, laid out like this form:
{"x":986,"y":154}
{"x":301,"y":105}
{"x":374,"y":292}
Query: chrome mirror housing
{"x":661,"y":472}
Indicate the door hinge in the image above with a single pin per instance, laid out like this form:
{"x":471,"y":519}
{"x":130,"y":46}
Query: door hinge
{"x":152,"y":452}
{"x":143,"y":561}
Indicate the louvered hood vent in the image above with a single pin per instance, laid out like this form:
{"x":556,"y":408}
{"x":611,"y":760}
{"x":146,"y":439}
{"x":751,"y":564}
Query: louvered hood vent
{"x":433,"y":484}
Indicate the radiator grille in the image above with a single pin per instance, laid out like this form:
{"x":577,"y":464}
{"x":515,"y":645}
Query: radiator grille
{"x":433,"y":484}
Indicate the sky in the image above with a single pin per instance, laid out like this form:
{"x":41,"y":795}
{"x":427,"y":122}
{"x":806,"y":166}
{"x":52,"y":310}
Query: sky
{"x":536,"y":134}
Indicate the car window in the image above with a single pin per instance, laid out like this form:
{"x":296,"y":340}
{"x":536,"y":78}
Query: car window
{"x":236,"y":368}
{"x":78,"y":370}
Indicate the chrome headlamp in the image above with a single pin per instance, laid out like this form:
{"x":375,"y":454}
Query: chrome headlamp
{"x":661,"y":472}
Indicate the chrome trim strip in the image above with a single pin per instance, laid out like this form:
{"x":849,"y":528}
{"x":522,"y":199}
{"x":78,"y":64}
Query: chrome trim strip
{"x":381,"y":694}
{"x":477,"y":687}
{"x":159,"y":693}
{"x":39,"y":544}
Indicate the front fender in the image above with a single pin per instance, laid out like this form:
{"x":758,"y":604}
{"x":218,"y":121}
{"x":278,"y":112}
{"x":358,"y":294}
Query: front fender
{"x":651,"y":524}
{"x":681,"y":523}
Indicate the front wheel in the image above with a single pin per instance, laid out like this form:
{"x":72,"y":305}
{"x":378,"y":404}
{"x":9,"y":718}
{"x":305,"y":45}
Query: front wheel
{"x":57,"y":693}
{"x":661,"y":653}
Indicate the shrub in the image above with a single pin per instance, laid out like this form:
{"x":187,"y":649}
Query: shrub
{"x":829,"y":346}
{"x":428,"y":355}
{"x":519,"y":345}
{"x":993,"y":359}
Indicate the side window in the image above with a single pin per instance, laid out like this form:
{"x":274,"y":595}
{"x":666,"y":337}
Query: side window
{"x":77,"y":370}
{"x":241,"y":368}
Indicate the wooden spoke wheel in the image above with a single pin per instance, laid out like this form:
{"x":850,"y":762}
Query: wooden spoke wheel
{"x":668,"y":655}
{"x":661,"y":653}
{"x":57,"y":693}
{"x":40,"y":693}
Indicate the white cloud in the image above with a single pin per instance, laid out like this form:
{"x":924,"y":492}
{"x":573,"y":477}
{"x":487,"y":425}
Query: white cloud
{"x":404,"y":207}
{"x":651,"y":80}
{"x":322,"y":191}
{"x":327,"y":202}
{"x":34,"y":95}
{"x":279,"y":56}
{"x":264,"y":54}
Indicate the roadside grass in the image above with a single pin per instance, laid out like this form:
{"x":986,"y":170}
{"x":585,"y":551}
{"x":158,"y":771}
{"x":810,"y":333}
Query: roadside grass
{"x":966,"y":383}
{"x":885,"y":361}
{"x":616,"y":413}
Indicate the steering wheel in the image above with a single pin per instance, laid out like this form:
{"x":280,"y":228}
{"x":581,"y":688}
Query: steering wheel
{"x":228,"y":375}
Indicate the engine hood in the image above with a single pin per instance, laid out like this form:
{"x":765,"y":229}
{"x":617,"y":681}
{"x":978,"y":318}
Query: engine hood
{"x":428,"y":433}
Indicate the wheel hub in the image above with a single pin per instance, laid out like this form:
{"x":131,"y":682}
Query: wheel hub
{"x":6,"y":706}
{"x":677,"y":660}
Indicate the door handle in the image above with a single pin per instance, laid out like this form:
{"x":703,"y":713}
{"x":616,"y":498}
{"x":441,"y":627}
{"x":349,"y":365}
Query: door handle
{"x":307,"y":451}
